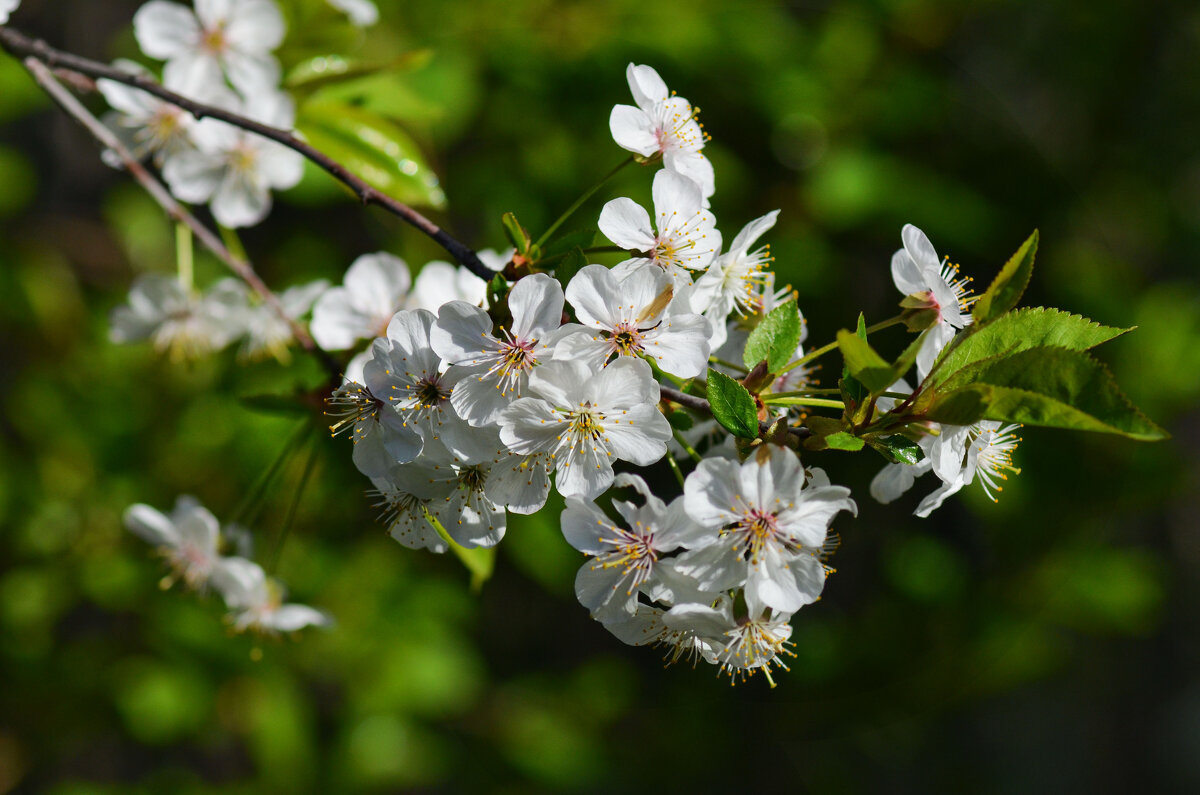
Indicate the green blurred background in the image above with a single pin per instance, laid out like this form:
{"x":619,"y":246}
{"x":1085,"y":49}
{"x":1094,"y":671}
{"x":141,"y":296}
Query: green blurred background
{"x":1044,"y":644}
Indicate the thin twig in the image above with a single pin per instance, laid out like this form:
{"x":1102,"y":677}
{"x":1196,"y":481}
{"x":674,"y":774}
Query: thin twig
{"x":703,"y":406}
{"x":74,"y":108}
{"x":22,"y":46}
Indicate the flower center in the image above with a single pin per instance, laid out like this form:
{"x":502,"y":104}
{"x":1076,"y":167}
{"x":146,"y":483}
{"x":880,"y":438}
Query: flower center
{"x":214,"y":40}
{"x":353,"y":404}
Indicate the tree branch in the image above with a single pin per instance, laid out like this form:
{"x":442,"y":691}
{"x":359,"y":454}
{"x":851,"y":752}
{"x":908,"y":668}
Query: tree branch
{"x":74,"y":108}
{"x":23,"y":47}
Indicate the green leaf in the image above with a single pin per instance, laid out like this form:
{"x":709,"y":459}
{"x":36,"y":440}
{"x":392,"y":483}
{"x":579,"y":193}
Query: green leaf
{"x":1008,"y":286}
{"x":516,"y":234}
{"x":732,"y":405}
{"x":373,"y":148}
{"x":326,"y":70}
{"x":1015,"y":332}
{"x":774,"y":339}
{"x":843,"y":440}
{"x":566,"y":269}
{"x":680,"y":420}
{"x":900,"y":450}
{"x":1053,"y":387}
{"x":864,"y":364}
{"x":580,"y":238}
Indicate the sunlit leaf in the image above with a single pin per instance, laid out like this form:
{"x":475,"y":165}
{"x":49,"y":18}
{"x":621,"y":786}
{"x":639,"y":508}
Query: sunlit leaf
{"x":775,"y":338}
{"x":1008,"y":286}
{"x":732,"y":405}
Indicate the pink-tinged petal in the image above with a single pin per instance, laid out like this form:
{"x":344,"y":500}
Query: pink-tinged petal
{"x":255,"y":26}
{"x":165,"y":30}
{"x":920,"y":249}
{"x":711,"y":492}
{"x":626,"y":223}
{"x":633,"y":130}
{"x":646,"y":86}
{"x":593,"y":293}
{"x":151,"y":526}
{"x":536,"y":303}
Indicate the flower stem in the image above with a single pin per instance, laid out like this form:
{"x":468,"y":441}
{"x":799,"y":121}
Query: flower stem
{"x":184,"y":256}
{"x":803,"y":401}
{"x":579,"y":202}
{"x":479,"y":561}
{"x":687,"y":448}
{"x":671,"y":462}
{"x":247,"y":509}
{"x":824,"y":349}
{"x":739,"y":368}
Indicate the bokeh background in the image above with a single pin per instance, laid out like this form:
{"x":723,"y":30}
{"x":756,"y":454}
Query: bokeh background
{"x":1044,"y":644}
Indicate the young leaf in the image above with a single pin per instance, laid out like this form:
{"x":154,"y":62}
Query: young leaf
{"x":774,"y":339}
{"x":867,"y":366}
{"x":1018,"y":331}
{"x":1008,"y":286}
{"x":516,"y":233}
{"x":372,"y":147}
{"x":900,"y":449}
{"x":843,"y":440}
{"x":732,"y":405}
{"x":1055,"y":387}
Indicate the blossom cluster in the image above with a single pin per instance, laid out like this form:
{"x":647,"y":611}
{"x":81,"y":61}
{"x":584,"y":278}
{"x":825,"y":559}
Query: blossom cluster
{"x":191,"y":541}
{"x":466,"y":401}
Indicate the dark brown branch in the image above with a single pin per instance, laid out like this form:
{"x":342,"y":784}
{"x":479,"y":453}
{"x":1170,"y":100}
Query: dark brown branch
{"x":72,"y":106}
{"x":23,"y":47}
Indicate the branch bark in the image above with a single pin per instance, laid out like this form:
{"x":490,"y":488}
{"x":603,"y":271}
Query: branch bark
{"x":74,"y":108}
{"x":23,"y":47}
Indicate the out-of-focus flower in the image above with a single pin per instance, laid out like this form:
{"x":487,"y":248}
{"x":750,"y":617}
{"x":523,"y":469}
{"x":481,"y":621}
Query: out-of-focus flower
{"x":188,"y":538}
{"x":180,"y":322}
{"x":256,"y":601}
{"x":373,"y":290}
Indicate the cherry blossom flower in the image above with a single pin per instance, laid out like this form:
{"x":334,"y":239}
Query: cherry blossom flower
{"x":625,"y":559}
{"x":234,"y":37}
{"x":917,"y":271}
{"x":439,"y":283}
{"x":686,"y":238}
{"x":662,"y":124}
{"x":492,"y":370}
{"x":735,"y":280}
{"x":180,"y":322}
{"x":235,"y":170}
{"x":635,"y":316}
{"x":149,"y":126}
{"x":268,"y":334}
{"x":405,"y":493}
{"x":746,"y":645}
{"x":584,"y":420}
{"x":381,"y":436}
{"x":256,"y":602}
{"x":188,"y":538}
{"x":772,"y":527}
{"x":373,"y":290}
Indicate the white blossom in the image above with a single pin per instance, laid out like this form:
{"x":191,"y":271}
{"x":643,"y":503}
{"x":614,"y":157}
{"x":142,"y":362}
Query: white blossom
{"x":625,"y":558}
{"x":634,"y":316}
{"x":585,"y":420}
{"x":235,"y":170}
{"x":188,"y":539}
{"x":492,"y":370}
{"x":662,"y":124}
{"x":439,"y":283}
{"x":735,"y":280}
{"x":233,"y":37}
{"x":682,"y":238}
{"x":917,"y":271}
{"x":405,"y":493}
{"x":381,"y":436}
{"x":373,"y":290}
{"x":772,"y":527}
{"x":180,"y":322}
{"x":256,"y":601}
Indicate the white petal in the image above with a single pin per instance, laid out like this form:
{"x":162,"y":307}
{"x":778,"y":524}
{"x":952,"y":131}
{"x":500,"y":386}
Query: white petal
{"x":290,"y":618}
{"x":711,"y":492}
{"x":593,"y":293}
{"x":151,"y":525}
{"x":633,"y":130}
{"x":164,"y":30}
{"x":536,"y":303}
{"x":645,"y":84}
{"x":639,"y":436}
{"x":255,"y":26}
{"x":626,"y":223}
{"x":675,"y":195}
{"x":751,"y":232}
{"x":920,"y":249}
